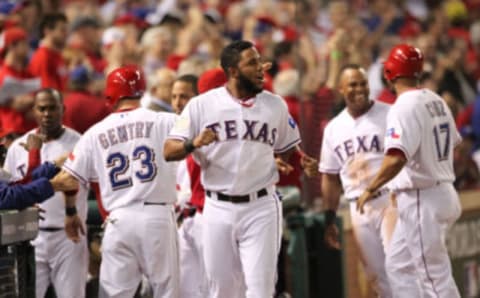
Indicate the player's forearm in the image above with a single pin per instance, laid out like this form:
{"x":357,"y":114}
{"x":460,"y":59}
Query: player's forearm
{"x":391,"y":166}
{"x":70,"y":200}
{"x":174,"y":150}
{"x":331,"y":191}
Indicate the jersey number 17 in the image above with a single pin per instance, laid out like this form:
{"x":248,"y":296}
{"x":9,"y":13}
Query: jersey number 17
{"x":442,"y":137}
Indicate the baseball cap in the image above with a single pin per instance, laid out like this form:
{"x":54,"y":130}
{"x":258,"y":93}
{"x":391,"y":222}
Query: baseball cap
{"x":80,"y":75}
{"x":83,"y":22}
{"x":210,"y":79}
{"x":112,"y":35}
{"x":10,"y":36}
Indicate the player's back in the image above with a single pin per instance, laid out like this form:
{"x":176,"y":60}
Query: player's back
{"x":128,"y":158}
{"x":432,"y":162}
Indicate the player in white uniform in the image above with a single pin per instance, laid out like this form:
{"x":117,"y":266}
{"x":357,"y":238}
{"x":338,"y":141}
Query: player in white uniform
{"x":233,"y":132}
{"x":58,"y":260}
{"x":421,"y":135}
{"x":123,"y":153}
{"x":193,"y":282}
{"x":352,"y":152}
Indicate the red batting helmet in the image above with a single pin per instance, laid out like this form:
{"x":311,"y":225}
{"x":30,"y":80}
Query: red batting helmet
{"x":403,"y":61}
{"x":124,"y":82}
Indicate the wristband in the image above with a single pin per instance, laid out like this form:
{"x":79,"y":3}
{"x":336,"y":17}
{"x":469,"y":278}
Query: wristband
{"x":71,"y":211}
{"x":188,"y":146}
{"x":330,"y":216}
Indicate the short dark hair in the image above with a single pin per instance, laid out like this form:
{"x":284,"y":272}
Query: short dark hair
{"x":231,"y":54}
{"x":347,"y":67}
{"x":50,"y":21}
{"x":53,"y":92}
{"x":189,"y":79}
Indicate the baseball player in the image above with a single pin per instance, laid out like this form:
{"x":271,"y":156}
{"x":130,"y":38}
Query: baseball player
{"x":57,"y":259}
{"x":419,"y":143}
{"x":122,"y":153}
{"x":352,"y":152}
{"x":233,"y":132}
{"x":190,"y":199}
{"x":35,"y":187}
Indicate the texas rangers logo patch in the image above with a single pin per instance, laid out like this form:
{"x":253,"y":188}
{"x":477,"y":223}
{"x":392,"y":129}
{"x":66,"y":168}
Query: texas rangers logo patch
{"x":392,"y":133}
{"x":291,"y":122}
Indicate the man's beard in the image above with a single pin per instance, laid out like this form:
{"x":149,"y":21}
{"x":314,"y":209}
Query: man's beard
{"x":246,"y":84}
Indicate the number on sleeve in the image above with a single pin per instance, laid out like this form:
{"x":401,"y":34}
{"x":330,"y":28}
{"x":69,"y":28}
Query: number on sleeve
{"x":442,"y":137}
{"x":120,"y":164}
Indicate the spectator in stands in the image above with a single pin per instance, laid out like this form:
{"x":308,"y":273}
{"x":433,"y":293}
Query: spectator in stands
{"x":47,"y":61}
{"x":113,"y":49}
{"x":286,"y":84}
{"x":157,"y":45}
{"x":16,"y":83}
{"x":158,"y":96}
{"x":85,"y":36}
{"x":82,"y":108}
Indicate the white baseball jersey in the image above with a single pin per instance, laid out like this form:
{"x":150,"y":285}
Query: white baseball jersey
{"x":353,"y":147}
{"x":16,"y":163}
{"x":249,"y":133}
{"x":124,"y":154}
{"x":421,"y":125}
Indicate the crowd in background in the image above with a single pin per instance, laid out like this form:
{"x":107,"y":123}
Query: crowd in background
{"x":308,"y":42}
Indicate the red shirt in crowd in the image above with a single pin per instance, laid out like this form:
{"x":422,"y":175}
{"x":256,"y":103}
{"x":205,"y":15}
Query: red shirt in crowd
{"x":10,"y":119}
{"x":48,"y":64}
{"x":83,"y":109}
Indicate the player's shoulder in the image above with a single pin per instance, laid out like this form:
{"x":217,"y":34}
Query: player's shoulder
{"x":21,"y":139}
{"x":338,"y":120}
{"x":272,"y":100}
{"x":167,"y":116}
{"x":208,"y":97}
{"x":381,"y":106}
{"x":72,"y":133}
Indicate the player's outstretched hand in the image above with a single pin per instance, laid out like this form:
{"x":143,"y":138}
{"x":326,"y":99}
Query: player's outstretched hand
{"x":309,"y":165}
{"x":362,"y":200}
{"x":331,"y":236}
{"x":206,"y":137}
{"x":283,"y":167}
{"x":74,"y":227}
{"x":34,"y":141}
{"x":63,"y":181}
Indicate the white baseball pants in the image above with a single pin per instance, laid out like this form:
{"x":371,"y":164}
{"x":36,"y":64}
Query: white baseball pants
{"x":60,"y":261}
{"x":140,"y":239}
{"x":425,"y":215}
{"x":193,"y":282}
{"x":241,"y":243}
{"x":371,"y":233}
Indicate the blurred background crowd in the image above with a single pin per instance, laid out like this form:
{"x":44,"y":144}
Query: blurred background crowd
{"x":71,"y":45}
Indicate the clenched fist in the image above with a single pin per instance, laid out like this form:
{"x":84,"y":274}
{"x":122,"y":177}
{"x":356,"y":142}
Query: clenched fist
{"x":207,"y":136}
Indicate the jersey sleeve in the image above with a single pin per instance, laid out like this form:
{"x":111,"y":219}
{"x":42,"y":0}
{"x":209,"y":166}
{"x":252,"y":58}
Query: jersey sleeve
{"x":20,"y":196}
{"x":10,"y":164}
{"x":185,"y":126}
{"x":288,"y":134}
{"x":79,"y":162}
{"x":328,"y":160}
{"x":403,"y":131}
